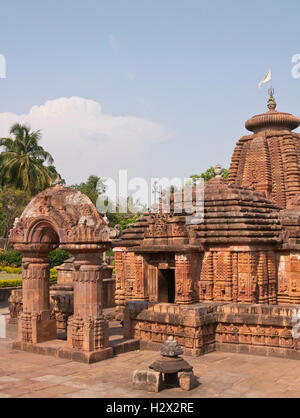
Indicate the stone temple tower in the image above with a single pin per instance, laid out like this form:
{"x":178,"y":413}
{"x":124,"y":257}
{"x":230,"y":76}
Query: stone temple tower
{"x":269,"y":159}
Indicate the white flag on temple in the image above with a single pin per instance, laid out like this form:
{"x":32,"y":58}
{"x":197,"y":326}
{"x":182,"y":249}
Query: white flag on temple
{"x":267,"y":78}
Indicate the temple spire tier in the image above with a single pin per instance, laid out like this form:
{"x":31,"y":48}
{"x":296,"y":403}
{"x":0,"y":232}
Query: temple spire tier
{"x":269,"y":159}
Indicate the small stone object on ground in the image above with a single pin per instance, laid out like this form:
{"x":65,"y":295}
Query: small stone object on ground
{"x":170,"y":371}
{"x":147,"y":380}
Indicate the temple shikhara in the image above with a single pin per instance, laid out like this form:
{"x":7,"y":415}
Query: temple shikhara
{"x":229,"y":282}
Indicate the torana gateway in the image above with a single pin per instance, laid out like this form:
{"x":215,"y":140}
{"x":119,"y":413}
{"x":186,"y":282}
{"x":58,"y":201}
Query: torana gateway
{"x":231,"y":282}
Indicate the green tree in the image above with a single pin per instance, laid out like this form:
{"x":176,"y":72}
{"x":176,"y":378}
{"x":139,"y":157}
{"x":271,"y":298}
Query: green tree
{"x":122,"y":219}
{"x":134,"y":210}
{"x":209,"y":174}
{"x":12,"y":204}
{"x":23,"y":161}
{"x":92,"y":188}
{"x":58,"y":257}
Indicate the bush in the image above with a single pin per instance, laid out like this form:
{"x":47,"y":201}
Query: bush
{"x":11,"y":283}
{"x":11,"y":258}
{"x":19,"y":282}
{"x":58,"y":257}
{"x":12,"y":270}
{"x":53,"y":275}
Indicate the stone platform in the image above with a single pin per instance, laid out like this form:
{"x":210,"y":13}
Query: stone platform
{"x":202,"y":328}
{"x":27,"y":375}
{"x":58,"y":348}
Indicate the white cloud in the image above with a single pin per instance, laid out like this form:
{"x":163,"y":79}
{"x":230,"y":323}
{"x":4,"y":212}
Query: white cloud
{"x":83,"y":140}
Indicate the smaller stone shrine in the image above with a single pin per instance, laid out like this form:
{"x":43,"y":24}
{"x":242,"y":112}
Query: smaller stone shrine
{"x":65,"y":218}
{"x":62,"y":296}
{"x":168,"y":371}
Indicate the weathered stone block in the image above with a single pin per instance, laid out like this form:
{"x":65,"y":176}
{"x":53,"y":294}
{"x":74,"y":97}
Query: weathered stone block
{"x":187,"y":381}
{"x":147,"y":380}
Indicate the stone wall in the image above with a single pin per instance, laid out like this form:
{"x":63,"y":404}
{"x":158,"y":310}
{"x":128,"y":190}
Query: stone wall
{"x":5,"y":293}
{"x":61,"y":301}
{"x":289,"y":277}
{"x":238,"y":275}
{"x":109,"y":287}
{"x":202,"y":328}
{"x":231,"y":274}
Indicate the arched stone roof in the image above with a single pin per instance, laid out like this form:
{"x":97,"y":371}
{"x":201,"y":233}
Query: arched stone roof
{"x":63,"y":214}
{"x":232,"y":215}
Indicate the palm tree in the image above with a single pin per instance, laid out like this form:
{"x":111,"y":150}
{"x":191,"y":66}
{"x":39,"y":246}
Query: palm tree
{"x":22,"y":161}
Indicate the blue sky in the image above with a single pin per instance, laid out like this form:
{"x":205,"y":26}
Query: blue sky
{"x":190,"y":67}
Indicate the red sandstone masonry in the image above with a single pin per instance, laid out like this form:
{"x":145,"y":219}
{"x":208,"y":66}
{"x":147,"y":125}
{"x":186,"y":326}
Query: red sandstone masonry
{"x":254,"y":329}
{"x":63,"y":217}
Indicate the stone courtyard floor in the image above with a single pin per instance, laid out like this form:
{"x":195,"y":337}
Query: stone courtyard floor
{"x":219,"y":374}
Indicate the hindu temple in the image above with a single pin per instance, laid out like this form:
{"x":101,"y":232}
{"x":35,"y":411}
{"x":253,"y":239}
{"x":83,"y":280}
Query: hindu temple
{"x":232,"y":281}
{"x":229,"y":281}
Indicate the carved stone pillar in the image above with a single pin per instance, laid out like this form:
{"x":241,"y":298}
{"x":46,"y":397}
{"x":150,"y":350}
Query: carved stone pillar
{"x":184,"y":293}
{"x":229,"y":275}
{"x":235,"y":277}
{"x":87,"y":328}
{"x":262,"y":274}
{"x":272,"y":272}
{"x":140,"y":278}
{"x":35,"y":325}
{"x":206,"y":287}
{"x":120,"y":282}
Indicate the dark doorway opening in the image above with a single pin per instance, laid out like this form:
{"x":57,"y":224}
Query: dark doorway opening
{"x":166,"y":286}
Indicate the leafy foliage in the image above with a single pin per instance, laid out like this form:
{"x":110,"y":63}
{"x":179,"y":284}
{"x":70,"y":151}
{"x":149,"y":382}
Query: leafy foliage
{"x":12,"y":204}
{"x":11,"y":258}
{"x":23,"y":161}
{"x":11,"y":283}
{"x":124,"y":220}
{"x":11,"y":270}
{"x":209,"y":174}
{"x":58,"y":257}
{"x":19,"y":282}
{"x":92,"y":188}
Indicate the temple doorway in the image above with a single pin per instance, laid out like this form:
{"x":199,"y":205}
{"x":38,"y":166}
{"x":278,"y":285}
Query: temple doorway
{"x":166,"y":286}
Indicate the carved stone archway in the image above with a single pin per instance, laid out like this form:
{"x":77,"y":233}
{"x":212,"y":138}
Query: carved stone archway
{"x":65,"y":218}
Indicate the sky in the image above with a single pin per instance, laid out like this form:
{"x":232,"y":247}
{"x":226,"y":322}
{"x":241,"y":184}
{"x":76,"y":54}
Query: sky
{"x":161,"y":88}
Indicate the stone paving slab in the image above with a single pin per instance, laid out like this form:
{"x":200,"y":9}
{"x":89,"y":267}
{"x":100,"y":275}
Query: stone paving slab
{"x":228,"y":375}
{"x":220,"y":375}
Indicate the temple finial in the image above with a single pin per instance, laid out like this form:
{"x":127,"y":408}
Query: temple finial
{"x":271,"y":102}
{"x":218,"y":171}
